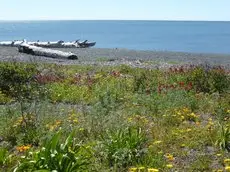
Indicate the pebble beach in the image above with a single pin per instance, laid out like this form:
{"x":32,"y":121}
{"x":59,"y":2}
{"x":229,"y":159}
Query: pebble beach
{"x":111,"y":57}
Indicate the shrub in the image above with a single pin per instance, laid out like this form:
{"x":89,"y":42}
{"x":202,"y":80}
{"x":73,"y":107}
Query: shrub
{"x":23,"y":130}
{"x":3,"y":98}
{"x":209,"y":80}
{"x":16,"y":80}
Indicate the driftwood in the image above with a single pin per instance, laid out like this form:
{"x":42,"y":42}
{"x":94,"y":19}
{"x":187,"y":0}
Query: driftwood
{"x":39,"y":51}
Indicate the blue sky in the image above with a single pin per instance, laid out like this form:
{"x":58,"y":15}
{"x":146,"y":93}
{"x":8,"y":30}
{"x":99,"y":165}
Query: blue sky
{"x":115,"y":9}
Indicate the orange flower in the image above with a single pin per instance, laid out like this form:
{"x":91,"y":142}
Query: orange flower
{"x":23,"y":148}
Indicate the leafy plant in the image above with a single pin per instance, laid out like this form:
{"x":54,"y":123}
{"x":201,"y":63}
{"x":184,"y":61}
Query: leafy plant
{"x":3,"y":156}
{"x":16,"y":80}
{"x":3,"y":98}
{"x":124,"y":146}
{"x":6,"y":159}
{"x":220,"y":80}
{"x":207,"y":79}
{"x":65,"y":157}
{"x":224,"y":138}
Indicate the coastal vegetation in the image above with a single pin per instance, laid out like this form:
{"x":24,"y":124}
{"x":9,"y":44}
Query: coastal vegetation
{"x":99,"y":118}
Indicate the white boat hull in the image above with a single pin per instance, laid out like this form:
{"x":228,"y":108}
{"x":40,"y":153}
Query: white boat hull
{"x":56,"y":44}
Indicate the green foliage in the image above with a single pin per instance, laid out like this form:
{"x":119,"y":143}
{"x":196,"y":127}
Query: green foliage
{"x":68,"y":93}
{"x":209,"y":80}
{"x":64,"y":156}
{"x":3,"y":98}
{"x":7,"y":160}
{"x":23,"y":130}
{"x":124,"y":147}
{"x":222,"y":113}
{"x":16,"y":80}
{"x":140,"y":82}
{"x":224,"y":138}
{"x":3,"y":156}
{"x":202,"y":163}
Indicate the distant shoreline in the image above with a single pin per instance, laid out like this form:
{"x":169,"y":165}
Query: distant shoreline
{"x":50,"y":20}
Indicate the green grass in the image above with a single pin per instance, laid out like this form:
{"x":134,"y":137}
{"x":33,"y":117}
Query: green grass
{"x":86,"y":118}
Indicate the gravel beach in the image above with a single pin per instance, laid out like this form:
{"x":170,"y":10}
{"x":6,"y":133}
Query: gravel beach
{"x":101,"y":56}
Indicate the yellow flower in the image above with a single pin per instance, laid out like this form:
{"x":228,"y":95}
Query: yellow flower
{"x":133,"y":169}
{"x":52,"y":127}
{"x":130,"y":119}
{"x":182,"y":117}
{"x":169,"y":157}
{"x":182,"y":145}
{"x":193,"y":115}
{"x":169,"y":166}
{"x":218,"y":154}
{"x":209,"y":119}
{"x":81,"y":129}
{"x":228,"y":111}
{"x":141,"y":169}
{"x":219,"y":171}
{"x":227,"y":168}
{"x":153,"y":170}
{"x":157,"y":142}
{"x":75,"y":121}
{"x":226,"y":161}
{"x":178,"y":113}
{"x":189,"y":129}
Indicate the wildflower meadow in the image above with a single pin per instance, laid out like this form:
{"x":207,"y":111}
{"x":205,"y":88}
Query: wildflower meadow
{"x":67,"y":118}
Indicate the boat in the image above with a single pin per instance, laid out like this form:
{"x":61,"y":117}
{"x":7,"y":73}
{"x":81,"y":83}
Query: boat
{"x":55,"y":44}
{"x":86,"y":44}
{"x":6,"y":43}
{"x":49,"y":44}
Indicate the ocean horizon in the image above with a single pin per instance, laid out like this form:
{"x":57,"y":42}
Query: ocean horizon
{"x":155,"y":35}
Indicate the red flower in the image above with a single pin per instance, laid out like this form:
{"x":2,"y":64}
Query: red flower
{"x":181,"y":84}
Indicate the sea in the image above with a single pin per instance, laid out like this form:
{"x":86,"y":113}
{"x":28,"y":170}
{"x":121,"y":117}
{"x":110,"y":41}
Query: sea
{"x":178,"y":36}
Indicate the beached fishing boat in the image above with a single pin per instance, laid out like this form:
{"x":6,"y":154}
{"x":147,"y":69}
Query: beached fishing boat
{"x":86,"y":44}
{"x":55,"y":44}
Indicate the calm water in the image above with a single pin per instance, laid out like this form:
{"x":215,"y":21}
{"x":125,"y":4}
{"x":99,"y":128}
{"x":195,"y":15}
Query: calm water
{"x":209,"y":37}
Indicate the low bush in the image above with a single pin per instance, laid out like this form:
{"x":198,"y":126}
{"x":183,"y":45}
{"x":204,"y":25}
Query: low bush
{"x":208,"y":80}
{"x":17,"y":80}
